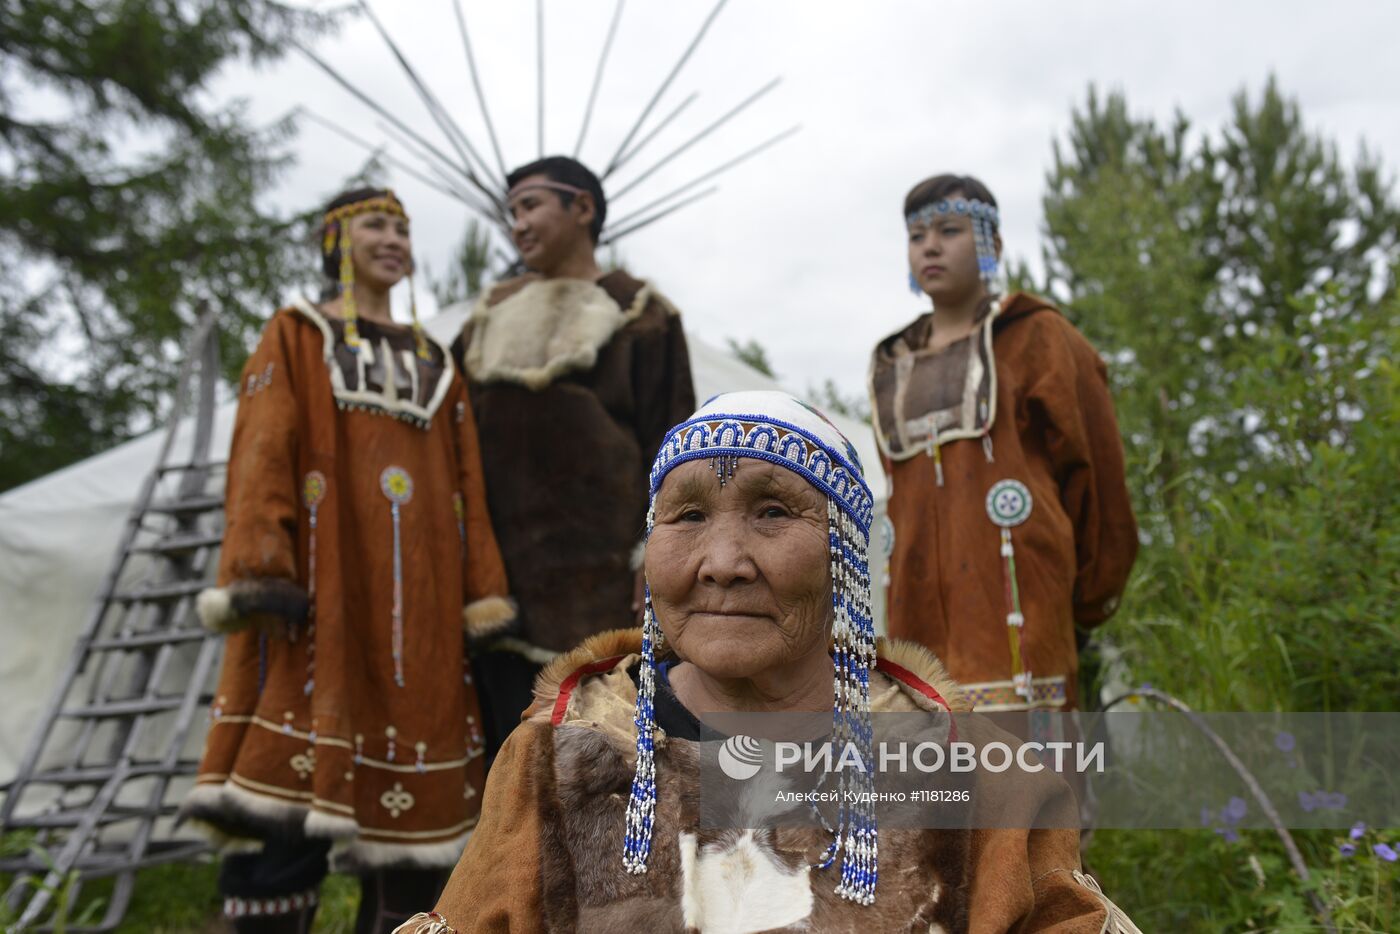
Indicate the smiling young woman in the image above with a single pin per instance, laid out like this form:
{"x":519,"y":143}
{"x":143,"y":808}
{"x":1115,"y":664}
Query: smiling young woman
{"x":1009,"y":509}
{"x":345,"y":728}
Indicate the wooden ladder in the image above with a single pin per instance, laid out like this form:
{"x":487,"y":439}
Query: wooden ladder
{"x":94,"y":788}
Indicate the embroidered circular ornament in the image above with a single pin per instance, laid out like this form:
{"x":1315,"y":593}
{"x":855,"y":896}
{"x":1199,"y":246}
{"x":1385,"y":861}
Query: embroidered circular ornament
{"x":1008,"y":503}
{"x":313,"y":489}
{"x":886,"y":536}
{"x":396,"y":484}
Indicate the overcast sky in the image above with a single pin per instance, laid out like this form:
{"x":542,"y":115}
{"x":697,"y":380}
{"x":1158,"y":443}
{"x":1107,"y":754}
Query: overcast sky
{"x":802,"y":248}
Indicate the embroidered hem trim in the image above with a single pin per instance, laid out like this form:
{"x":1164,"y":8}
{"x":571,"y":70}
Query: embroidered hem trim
{"x":992,"y":696}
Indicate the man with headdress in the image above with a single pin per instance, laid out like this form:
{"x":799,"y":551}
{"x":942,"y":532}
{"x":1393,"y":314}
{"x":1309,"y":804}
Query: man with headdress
{"x":1009,"y":510}
{"x":575,"y":377}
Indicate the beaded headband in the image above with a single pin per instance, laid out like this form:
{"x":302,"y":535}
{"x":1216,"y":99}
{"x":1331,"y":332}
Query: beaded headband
{"x":985,"y":220}
{"x":337,"y":233}
{"x":779,"y":429}
{"x":386,"y":203}
{"x":550,"y":184}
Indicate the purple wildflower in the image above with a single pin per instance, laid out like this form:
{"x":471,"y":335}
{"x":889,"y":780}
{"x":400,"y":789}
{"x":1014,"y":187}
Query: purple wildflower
{"x":1332,"y":800}
{"x":1357,"y":829}
{"x":1284,"y":742}
{"x":1386,"y":852}
{"x":1307,"y":801}
{"x":1348,"y":850}
{"x":1229,"y":833}
{"x":1235,"y":810}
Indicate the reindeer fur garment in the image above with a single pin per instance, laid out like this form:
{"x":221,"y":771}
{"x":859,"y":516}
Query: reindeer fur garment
{"x":574,"y":384}
{"x":547,"y":855}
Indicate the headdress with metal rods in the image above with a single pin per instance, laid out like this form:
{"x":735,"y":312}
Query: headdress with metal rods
{"x":459,"y":170}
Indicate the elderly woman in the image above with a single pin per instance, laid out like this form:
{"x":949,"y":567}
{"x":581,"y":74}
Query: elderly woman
{"x":758,"y":591}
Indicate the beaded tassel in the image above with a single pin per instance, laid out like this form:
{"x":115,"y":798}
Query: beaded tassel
{"x":1014,"y":620}
{"x":984,"y":238}
{"x":397,"y":485}
{"x":347,"y":290}
{"x":313,"y":491}
{"x":1009,"y":504}
{"x":641,"y":804}
{"x":854,"y":637}
{"x":418,"y":336}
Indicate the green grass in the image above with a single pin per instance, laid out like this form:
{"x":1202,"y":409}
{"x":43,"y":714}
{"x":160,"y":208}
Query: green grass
{"x":182,"y":898}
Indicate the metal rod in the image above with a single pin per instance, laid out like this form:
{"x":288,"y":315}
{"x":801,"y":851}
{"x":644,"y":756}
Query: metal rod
{"x":598,"y":78}
{"x":458,"y":140}
{"x":437,"y":168}
{"x":539,"y":72}
{"x":734,"y":112}
{"x":615,"y":236}
{"x":1295,"y":857}
{"x":690,"y":49}
{"x":649,"y":206}
{"x":369,"y":102}
{"x":627,"y":157}
{"x":380,"y":152}
{"x":724,"y":167}
{"x":476,"y":86}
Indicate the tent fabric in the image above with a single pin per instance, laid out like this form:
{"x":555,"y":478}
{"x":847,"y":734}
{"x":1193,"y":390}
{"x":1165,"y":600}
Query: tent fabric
{"x":59,"y":535}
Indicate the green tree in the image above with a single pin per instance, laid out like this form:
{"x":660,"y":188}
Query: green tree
{"x":467,"y":270}
{"x":754,"y":354}
{"x":126,"y":198}
{"x":1241,"y":283}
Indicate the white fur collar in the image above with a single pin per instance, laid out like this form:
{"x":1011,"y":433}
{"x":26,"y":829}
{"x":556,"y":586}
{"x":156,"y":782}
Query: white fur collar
{"x":547,"y":329}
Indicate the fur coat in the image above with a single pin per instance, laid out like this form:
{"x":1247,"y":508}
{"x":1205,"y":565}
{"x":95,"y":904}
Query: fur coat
{"x":574,"y":385}
{"x":547,"y":855}
{"x":1030,"y":404}
{"x":310,"y":733}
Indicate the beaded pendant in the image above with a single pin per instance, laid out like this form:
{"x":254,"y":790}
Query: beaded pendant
{"x":313,"y":491}
{"x":397,"y":487}
{"x":1009,"y":504}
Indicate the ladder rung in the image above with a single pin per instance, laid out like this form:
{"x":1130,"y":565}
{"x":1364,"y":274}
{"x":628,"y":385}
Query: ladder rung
{"x":178,"y":468}
{"x":193,"y":504}
{"x":147,"y":640}
{"x":97,"y":774}
{"x":179,"y":544}
{"x":124,"y":708}
{"x":74,"y":817}
{"x":157,"y":593}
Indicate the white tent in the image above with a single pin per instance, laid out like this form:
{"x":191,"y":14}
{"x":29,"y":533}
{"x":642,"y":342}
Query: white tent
{"x":58,"y":536}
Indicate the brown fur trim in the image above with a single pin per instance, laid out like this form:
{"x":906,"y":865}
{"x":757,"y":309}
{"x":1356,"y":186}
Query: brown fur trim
{"x":254,"y":601}
{"x":488,"y":618}
{"x":357,"y":857}
{"x":911,"y":656}
{"x":593,"y":649}
{"x":228,"y":813}
{"x":924,"y":664}
{"x":544,"y":330}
